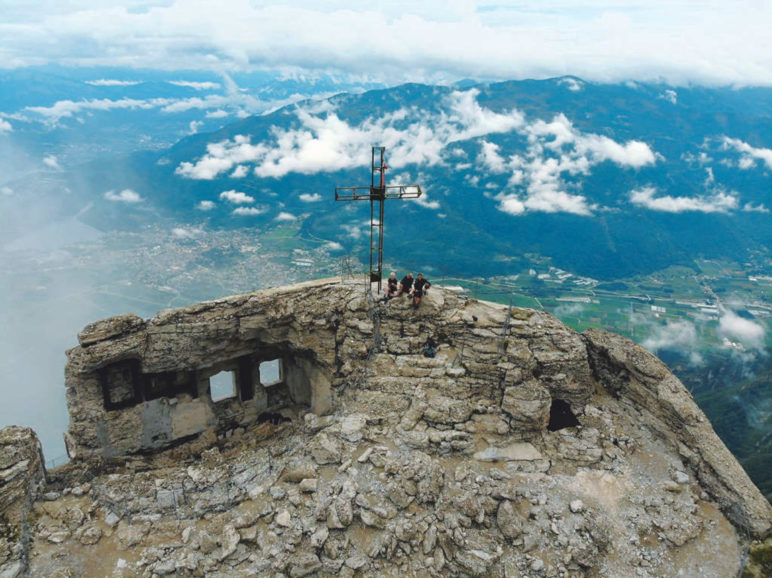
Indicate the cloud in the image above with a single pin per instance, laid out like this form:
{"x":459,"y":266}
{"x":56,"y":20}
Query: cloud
{"x":68,"y":108}
{"x":186,"y":233}
{"x":249,"y":211}
{"x":284,"y":216}
{"x":6,"y":191}
{"x":320,"y":141}
{"x":195,"y":125}
{"x":551,"y":200}
{"x":52,"y":162}
{"x":310,"y":197}
{"x":236,"y":197}
{"x":511,"y":205}
{"x":556,"y":148}
{"x":206,"y":205}
{"x":490,"y":158}
{"x":125,"y":196}
{"x":240,"y":172}
{"x":196,"y":85}
{"x":5,"y":126}
{"x":221,"y":157}
{"x":669,"y":95}
{"x":424,"y":201}
{"x":738,"y":329}
{"x":571,"y":84}
{"x":219,"y":113}
{"x":720,"y":202}
{"x":748,"y":154}
{"x":751,"y":208}
{"x":678,"y":335}
{"x":568,"y":310}
{"x":333,"y":246}
{"x":110,"y":82}
{"x":235,"y":98}
{"x":655,"y":40}
{"x":323,"y":142}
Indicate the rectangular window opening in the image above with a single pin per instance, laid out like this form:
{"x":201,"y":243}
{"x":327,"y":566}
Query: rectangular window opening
{"x":119,"y":384}
{"x":222,"y":385}
{"x":270,"y":372}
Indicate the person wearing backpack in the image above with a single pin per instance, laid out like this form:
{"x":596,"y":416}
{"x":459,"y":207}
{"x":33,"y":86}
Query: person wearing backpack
{"x":420,"y":286}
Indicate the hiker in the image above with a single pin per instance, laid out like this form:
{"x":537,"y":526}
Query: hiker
{"x":392,"y":287}
{"x":406,"y":285}
{"x":420,"y":286}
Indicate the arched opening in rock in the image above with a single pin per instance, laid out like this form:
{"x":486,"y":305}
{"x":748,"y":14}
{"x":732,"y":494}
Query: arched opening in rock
{"x":561,"y":416}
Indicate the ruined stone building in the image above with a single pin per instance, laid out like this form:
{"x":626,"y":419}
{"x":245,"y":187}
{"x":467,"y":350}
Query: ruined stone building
{"x":308,"y":431}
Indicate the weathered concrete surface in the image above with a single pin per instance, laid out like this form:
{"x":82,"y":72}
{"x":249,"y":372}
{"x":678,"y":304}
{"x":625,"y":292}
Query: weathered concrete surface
{"x":22,"y":479}
{"x":438,"y":466}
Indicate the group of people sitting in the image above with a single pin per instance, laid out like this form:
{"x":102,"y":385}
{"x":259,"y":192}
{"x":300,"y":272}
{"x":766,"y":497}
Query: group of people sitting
{"x":408,"y":286}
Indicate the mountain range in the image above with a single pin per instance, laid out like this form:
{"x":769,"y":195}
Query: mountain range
{"x":607,"y":181}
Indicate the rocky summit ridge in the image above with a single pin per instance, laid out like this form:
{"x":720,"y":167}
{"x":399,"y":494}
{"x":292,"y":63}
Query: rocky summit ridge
{"x":463,"y":438}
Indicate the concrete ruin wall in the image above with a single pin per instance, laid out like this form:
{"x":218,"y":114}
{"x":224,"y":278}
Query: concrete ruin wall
{"x":137,"y":386}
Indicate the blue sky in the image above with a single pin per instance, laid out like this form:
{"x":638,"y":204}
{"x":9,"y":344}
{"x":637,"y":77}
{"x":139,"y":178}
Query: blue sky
{"x":678,"y":41}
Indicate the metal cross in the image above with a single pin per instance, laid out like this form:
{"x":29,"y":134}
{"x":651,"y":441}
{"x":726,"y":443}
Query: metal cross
{"x":377,"y":192}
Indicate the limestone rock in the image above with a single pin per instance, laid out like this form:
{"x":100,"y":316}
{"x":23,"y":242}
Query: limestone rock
{"x":367,"y":458}
{"x":109,"y":328}
{"x":528,"y":405}
{"x":513,"y":452}
{"x":509,"y":521}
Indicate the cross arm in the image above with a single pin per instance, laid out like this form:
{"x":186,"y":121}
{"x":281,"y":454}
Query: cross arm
{"x":375,"y":193}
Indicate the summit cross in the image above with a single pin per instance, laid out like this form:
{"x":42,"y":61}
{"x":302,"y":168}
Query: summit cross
{"x":377,"y":193}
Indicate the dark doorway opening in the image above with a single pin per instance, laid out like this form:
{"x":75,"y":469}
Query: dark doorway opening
{"x":561,"y":416}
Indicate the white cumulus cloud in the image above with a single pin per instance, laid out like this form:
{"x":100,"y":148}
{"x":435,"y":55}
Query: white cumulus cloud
{"x":284,"y":216}
{"x":310,"y":197}
{"x":206,"y":205}
{"x":748,"y":154}
{"x":249,"y":211}
{"x":670,"y":95}
{"x":236,"y":197}
{"x":321,"y":141}
{"x":555,"y":149}
{"x":571,"y":84}
{"x":751,"y":208}
{"x":240,"y":172}
{"x":740,"y":330}
{"x":186,"y":233}
{"x":5,"y":126}
{"x":679,"y":335}
{"x":52,"y":162}
{"x":720,"y":202}
{"x":125,"y":196}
